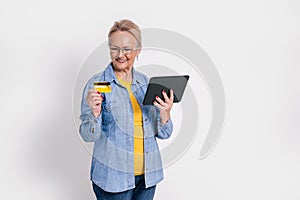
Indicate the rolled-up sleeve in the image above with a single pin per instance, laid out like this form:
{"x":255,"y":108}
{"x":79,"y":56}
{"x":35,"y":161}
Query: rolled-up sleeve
{"x":164,"y":131}
{"x":90,"y":127}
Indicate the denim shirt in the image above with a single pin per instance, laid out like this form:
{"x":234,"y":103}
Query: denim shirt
{"x":112,"y":132}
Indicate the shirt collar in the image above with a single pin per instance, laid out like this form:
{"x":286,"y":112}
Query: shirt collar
{"x":110,"y":76}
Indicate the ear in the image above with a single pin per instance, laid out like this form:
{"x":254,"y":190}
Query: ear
{"x":139,"y":51}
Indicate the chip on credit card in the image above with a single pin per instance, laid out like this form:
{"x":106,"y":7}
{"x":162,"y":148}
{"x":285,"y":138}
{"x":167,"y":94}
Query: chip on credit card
{"x":103,"y":87}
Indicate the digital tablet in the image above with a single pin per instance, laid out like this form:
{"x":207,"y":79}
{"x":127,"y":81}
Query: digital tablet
{"x":160,"y":83}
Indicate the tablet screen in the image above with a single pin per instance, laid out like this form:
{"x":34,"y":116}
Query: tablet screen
{"x":160,"y":83}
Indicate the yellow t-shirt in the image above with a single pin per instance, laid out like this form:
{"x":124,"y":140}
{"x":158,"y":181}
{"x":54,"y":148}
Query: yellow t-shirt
{"x":138,"y":131}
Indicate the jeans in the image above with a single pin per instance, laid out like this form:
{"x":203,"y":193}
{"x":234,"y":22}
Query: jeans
{"x":137,"y":193}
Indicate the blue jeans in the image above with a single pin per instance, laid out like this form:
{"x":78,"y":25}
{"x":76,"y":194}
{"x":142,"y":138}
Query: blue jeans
{"x":137,"y":193}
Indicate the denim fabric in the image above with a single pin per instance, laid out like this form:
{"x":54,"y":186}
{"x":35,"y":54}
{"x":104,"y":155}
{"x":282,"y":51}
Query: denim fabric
{"x":138,"y":193}
{"x":112,"y":166}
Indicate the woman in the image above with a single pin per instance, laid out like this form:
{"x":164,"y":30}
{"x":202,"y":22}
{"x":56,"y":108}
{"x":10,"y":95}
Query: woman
{"x":126,"y":161}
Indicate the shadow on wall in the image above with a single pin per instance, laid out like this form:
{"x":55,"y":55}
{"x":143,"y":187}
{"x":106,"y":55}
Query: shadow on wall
{"x":57,"y":158}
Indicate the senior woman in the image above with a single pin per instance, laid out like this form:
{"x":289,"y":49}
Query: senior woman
{"x":126,"y":162}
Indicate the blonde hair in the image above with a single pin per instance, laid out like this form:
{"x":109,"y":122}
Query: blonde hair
{"x":128,"y":26}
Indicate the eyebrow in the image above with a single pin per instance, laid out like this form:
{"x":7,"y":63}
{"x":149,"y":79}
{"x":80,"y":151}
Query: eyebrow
{"x":120,"y":47}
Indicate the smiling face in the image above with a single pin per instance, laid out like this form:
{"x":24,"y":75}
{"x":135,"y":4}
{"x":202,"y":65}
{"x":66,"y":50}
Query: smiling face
{"x":123,"y":60}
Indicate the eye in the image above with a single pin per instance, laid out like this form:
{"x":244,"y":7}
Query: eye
{"x":127,"y":50}
{"x":114,"y":49}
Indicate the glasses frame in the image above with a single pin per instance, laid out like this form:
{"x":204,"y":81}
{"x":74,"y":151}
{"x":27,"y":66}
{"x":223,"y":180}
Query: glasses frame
{"x":126,"y":50}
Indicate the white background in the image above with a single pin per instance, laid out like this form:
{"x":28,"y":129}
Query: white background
{"x":254,"y":45}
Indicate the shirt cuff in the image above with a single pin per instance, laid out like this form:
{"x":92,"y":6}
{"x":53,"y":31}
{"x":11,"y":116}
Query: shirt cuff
{"x":167,"y":125}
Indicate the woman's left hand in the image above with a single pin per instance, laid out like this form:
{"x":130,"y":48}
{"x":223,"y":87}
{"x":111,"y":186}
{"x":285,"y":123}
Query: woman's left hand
{"x":164,"y":106}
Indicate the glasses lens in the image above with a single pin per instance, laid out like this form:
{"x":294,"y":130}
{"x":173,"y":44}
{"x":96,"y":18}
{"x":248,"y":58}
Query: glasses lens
{"x":116,"y":50}
{"x":127,"y":51}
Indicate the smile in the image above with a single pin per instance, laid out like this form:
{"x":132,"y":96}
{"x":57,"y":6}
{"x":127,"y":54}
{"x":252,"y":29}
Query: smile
{"x":122,"y":60}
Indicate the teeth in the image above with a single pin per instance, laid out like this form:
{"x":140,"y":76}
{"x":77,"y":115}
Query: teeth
{"x":121,"y":61}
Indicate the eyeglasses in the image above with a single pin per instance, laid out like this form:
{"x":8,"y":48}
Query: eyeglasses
{"x":126,"y":51}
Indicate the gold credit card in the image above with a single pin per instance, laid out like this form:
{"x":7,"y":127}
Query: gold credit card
{"x":103,"y":87}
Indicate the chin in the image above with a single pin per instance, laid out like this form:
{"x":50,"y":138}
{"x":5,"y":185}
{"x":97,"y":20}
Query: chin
{"x":122,"y":66}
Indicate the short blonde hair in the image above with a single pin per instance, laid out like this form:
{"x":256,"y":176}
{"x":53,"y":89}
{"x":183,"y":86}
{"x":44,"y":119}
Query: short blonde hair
{"x":128,"y":26}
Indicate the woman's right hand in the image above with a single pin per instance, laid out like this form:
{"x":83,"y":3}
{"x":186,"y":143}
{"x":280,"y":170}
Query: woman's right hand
{"x":94,"y":100}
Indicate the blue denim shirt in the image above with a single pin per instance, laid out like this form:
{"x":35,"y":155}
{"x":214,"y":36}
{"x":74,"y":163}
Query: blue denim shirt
{"x":112,"y":166}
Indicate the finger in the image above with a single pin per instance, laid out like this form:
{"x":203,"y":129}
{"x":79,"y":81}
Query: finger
{"x":98,"y":97}
{"x":167,"y":100}
{"x":96,"y":106}
{"x":94,"y":100}
{"x":94,"y":95}
{"x":158,"y":105}
{"x":171,"y":95}
{"x":93,"y":92}
{"x":98,"y":92}
{"x":160,"y":101}
{"x":96,"y":109}
{"x":98,"y":101}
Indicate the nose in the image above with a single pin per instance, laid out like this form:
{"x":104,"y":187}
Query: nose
{"x":120,"y":53}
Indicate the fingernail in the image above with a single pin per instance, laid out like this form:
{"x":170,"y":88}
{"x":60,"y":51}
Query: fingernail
{"x":156,"y":97}
{"x":164,"y":91}
{"x":98,"y":92}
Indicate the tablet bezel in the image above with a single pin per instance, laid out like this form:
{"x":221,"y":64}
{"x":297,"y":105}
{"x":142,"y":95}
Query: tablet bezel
{"x":158,"y":83}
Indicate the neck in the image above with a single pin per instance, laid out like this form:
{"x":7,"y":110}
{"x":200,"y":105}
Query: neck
{"x":125,"y":75}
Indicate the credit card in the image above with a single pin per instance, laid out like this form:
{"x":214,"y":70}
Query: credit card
{"x":103,"y":87}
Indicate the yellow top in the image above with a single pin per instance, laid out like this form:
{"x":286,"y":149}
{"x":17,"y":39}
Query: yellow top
{"x":138,"y":131}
